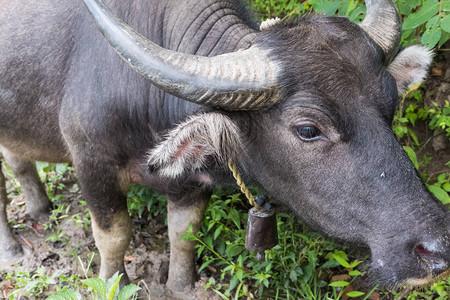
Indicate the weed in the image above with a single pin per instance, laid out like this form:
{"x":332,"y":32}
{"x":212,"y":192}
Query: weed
{"x":31,"y":284}
{"x":58,"y":213}
{"x":59,"y":235}
{"x":12,"y":184}
{"x":428,"y":20}
{"x":101,"y":290}
{"x":36,"y":284}
{"x":142,"y":201}
{"x":437,"y":118}
{"x":83,"y":218}
{"x":291,"y":269}
{"x":52,"y":175}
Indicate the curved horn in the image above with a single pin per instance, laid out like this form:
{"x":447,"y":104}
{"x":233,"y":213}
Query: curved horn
{"x":382,"y":24}
{"x":242,"y":80}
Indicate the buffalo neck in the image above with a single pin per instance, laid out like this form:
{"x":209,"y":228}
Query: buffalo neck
{"x":210,"y":28}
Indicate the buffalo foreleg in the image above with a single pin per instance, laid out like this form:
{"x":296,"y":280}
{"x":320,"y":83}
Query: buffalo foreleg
{"x":182,"y":272}
{"x":107,"y":203}
{"x":112,"y":242}
{"x":38,"y":205}
{"x":9,"y":247}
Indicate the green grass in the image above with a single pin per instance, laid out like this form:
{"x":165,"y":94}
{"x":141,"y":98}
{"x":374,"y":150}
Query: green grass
{"x":291,"y":269}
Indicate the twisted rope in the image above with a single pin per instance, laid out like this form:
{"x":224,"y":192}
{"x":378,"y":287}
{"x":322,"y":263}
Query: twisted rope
{"x":241,"y":184}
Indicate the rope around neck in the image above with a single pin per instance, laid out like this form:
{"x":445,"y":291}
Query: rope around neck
{"x":241,"y":184}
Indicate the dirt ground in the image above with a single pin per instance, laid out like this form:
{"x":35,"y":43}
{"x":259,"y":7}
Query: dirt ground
{"x":146,"y":262}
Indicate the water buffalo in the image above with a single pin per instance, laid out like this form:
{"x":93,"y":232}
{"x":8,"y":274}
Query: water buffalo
{"x":304,"y":108}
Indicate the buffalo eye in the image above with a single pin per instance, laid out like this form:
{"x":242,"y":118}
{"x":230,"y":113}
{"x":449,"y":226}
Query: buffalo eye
{"x":308,"y":133}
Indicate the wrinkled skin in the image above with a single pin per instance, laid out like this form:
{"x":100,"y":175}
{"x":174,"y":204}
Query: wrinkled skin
{"x":352,"y":181}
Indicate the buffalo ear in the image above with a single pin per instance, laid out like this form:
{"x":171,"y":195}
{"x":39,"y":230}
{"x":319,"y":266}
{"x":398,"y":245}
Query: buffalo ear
{"x":195,"y":143}
{"x":410,"y":66}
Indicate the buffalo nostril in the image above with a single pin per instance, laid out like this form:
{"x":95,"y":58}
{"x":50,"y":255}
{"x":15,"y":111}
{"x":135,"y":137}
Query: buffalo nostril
{"x":433,"y":259}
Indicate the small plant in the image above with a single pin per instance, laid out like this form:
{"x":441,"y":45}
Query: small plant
{"x":13,"y":185}
{"x":83,"y":218}
{"x":267,"y":9}
{"x":431,"y":18}
{"x":58,"y":236}
{"x":437,"y":119}
{"x":101,"y":290}
{"x":38,"y":284}
{"x":142,"y":199}
{"x":344,"y":282}
{"x":290,"y":271}
{"x":58,"y":213}
{"x":441,"y":188}
{"x":52,"y":175}
{"x":31,"y":284}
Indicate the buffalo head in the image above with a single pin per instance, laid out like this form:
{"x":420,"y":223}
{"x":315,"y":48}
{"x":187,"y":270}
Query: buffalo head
{"x":306,"y":113}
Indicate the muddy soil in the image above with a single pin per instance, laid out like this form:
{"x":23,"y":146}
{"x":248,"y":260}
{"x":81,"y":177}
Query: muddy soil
{"x":67,"y":247}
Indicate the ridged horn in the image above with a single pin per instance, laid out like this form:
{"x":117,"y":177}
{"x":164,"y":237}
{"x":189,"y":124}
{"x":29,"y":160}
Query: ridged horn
{"x":242,"y":80}
{"x":382,"y":24}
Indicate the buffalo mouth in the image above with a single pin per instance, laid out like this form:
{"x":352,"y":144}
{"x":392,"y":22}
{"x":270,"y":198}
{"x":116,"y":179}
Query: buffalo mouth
{"x":435,"y":264}
{"x":434,"y":261}
{"x":421,"y":265}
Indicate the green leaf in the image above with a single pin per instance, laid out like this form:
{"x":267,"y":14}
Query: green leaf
{"x":354,"y":294}
{"x":445,"y":22}
{"x":445,"y":5}
{"x":440,"y":194}
{"x":340,"y":254}
{"x":339,"y":284}
{"x":405,"y":6}
{"x":351,"y":6}
{"x":233,"y":282}
{"x":330,"y":264}
{"x":96,"y":284}
{"x":432,"y":34}
{"x":200,"y":250}
{"x":240,"y":274}
{"x":355,"y":263}
{"x":208,"y":241}
{"x":354,"y":273}
{"x":65,"y":295}
{"x":429,"y":9}
{"x":413,"y":135}
{"x":233,"y":250}
{"x":412,"y":156}
{"x":205,"y":264}
{"x":293,"y":276}
{"x":356,"y":15}
{"x":217,"y":231}
{"x":341,"y":261}
{"x":446,"y":186}
{"x":400,"y":131}
{"x":234,"y":215}
{"x":112,"y":286}
{"x":326,"y":7}
{"x":445,"y":36}
{"x":128,"y":291}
